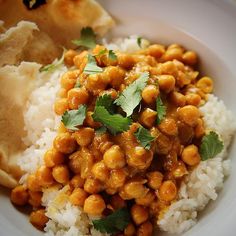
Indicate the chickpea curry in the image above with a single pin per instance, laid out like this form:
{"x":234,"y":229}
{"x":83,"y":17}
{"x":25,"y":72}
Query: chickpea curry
{"x":130,"y":132}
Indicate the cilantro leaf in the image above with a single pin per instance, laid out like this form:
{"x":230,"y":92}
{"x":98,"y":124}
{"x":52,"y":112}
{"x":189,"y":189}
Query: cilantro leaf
{"x":33,"y":4}
{"x":144,"y":137}
{"x":131,"y":96}
{"x":106,"y":101}
{"x":87,"y":38}
{"x":113,"y":223}
{"x":71,"y":119}
{"x":112,"y":56}
{"x":91,"y":66}
{"x":101,"y":130}
{"x":139,"y":41}
{"x":114,"y":123}
{"x":53,"y":66}
{"x":211,"y":145}
{"x":161,"y":110}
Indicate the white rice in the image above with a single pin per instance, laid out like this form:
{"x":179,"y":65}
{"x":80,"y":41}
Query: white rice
{"x":201,"y":186}
{"x":204,"y":183}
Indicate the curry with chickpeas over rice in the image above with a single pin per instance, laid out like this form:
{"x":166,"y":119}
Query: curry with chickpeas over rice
{"x":131,"y":131}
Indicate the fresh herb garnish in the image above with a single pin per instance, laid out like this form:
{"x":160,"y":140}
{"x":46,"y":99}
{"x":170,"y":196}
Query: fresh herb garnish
{"x":71,"y":119}
{"x":131,"y":96}
{"x":87,"y":38}
{"x":107,"y":102}
{"x":139,"y":41}
{"x":211,"y":145}
{"x":53,"y":66}
{"x":144,"y":137}
{"x":114,"y":123}
{"x":161,"y":110}
{"x":91,"y":66}
{"x":113,"y":223}
{"x":33,"y":4}
{"x":111,"y":55}
{"x":101,"y":130}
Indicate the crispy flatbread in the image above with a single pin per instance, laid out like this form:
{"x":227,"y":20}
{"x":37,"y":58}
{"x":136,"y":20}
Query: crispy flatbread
{"x":16,"y":83}
{"x":62,"y":20}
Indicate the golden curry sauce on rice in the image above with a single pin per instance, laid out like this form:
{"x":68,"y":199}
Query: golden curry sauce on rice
{"x":131,"y":131}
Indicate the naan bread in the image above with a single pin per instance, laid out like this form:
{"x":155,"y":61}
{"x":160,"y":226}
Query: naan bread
{"x":62,"y":20}
{"x":16,"y":83}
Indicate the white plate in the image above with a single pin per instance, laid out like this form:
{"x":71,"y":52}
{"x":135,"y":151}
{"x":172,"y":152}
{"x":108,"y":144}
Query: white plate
{"x":205,"y":26}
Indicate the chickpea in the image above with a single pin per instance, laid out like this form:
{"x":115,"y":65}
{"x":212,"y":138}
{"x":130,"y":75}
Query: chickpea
{"x":193,"y":99}
{"x":32,"y":183}
{"x":75,"y":162}
{"x":97,"y":83}
{"x":114,"y":157}
{"x":190,"y":58}
{"x":190,"y":155}
{"x":117,"y":178}
{"x":103,"y":147}
{"x":168,"y":126}
{"x":61,"y":105}
{"x":178,"y":99}
{"x":148,"y":117}
{"x":35,"y":198}
{"x":169,"y":68}
{"x":156,"y":50}
{"x":94,"y":205}
{"x":150,"y":94}
{"x":76,"y":97}
{"x":155,"y":179}
{"x":166,"y":83}
{"x":167,"y":191}
{"x":180,"y":170}
{"x":140,"y":158}
{"x":87,"y":163}
{"x":189,"y":115}
{"x":180,"y":65}
{"x":19,"y":195}
{"x":147,"y":199}
{"x":174,"y":45}
{"x":64,"y":143}
{"x":61,"y":174}
{"x":68,"y":80}
{"x":69,"y":56}
{"x":90,"y":121}
{"x":199,"y":129}
{"x":80,"y":60}
{"x":77,"y":182}
{"x":44,"y":176}
{"x":84,"y":136}
{"x":173,"y":53}
{"x":205,"y":84}
{"x":117,"y":202}
{"x":52,"y":158}
{"x":145,"y":229}
{"x":135,"y":188}
{"x":125,"y":61}
{"x":38,"y":219}
{"x":110,"y":92}
{"x":116,"y":76}
{"x":92,"y":186}
{"x":100,"y":171}
{"x":139,"y":214}
{"x":78,"y":197}
{"x":129,"y":230}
